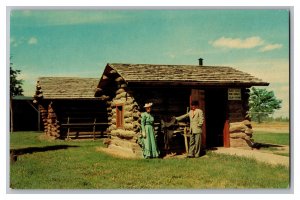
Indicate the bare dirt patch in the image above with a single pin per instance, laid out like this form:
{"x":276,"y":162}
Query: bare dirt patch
{"x":255,"y":154}
{"x":116,"y":153}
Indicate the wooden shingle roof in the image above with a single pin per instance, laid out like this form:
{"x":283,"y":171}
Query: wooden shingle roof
{"x":185,"y":74}
{"x":68,"y":87}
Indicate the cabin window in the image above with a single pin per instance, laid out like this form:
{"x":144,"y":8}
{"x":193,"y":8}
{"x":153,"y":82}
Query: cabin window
{"x":120,"y":116}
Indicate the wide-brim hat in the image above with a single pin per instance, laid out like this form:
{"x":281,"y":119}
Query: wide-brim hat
{"x":147,"y":105}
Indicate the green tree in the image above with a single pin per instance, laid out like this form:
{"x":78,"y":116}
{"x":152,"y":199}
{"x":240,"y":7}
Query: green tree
{"x":15,"y":84}
{"x":262,"y":103}
{"x":15,"y":89}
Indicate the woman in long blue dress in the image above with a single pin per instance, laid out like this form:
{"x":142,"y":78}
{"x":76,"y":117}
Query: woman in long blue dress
{"x":149,"y":145}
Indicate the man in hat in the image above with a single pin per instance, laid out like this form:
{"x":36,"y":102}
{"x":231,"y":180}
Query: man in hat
{"x":196,"y":121}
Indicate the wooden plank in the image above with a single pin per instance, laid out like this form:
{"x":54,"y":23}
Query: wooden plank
{"x":185,"y":140}
{"x":94,"y":128}
{"x":86,"y":133}
{"x":226,"y":138}
{"x":80,"y":129}
{"x":83,"y":124}
{"x":68,"y":129}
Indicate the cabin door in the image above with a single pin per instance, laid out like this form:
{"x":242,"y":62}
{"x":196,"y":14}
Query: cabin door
{"x":215,"y":107}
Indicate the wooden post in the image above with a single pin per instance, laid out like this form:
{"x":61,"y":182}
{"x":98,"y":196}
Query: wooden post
{"x":202,"y":107}
{"x":94,"y":128}
{"x":185,"y":140}
{"x":226,"y":140}
{"x":68,"y":128}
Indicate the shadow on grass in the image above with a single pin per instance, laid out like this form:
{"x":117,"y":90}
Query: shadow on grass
{"x":253,"y":145}
{"x":266,"y":145}
{"x":14,"y":153}
{"x":257,"y":145}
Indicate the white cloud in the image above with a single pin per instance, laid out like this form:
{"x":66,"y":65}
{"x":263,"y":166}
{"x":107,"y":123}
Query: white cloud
{"x":16,"y":42}
{"x":270,"y":47}
{"x":170,"y":54}
{"x":248,"y":43}
{"x":237,"y":43}
{"x":32,"y":41}
{"x":13,"y":41}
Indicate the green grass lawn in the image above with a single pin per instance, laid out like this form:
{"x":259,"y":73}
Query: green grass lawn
{"x":78,"y":165}
{"x":271,"y":138}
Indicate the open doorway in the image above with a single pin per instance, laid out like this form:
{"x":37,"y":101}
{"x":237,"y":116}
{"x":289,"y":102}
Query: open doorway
{"x":215,"y":107}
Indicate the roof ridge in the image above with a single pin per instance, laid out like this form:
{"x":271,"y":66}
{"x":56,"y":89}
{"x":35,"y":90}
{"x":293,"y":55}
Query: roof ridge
{"x":184,"y":65}
{"x":73,"y":77}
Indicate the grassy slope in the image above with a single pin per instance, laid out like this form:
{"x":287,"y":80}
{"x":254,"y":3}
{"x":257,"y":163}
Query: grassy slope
{"x":80,"y":166}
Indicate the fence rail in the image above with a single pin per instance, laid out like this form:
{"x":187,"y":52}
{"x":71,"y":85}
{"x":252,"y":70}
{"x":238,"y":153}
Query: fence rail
{"x":77,"y":125}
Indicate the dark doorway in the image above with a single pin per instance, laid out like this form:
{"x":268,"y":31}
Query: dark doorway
{"x":215,"y":113}
{"x":25,"y":114}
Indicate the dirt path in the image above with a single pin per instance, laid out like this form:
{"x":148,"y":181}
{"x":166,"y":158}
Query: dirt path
{"x":256,"y":154}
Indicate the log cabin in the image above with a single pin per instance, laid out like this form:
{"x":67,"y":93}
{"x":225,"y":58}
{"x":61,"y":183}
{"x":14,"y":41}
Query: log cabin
{"x":222,"y":93}
{"x":69,"y":108}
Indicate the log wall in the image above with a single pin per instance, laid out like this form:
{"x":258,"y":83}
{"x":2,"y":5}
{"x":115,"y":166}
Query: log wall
{"x":49,"y":119}
{"x":52,"y":127}
{"x":44,"y":116}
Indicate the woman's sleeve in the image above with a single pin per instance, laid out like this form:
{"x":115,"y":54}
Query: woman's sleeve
{"x":143,"y":122}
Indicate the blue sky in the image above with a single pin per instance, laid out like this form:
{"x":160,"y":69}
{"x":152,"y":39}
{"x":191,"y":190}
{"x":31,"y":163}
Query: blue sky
{"x":81,"y":42}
